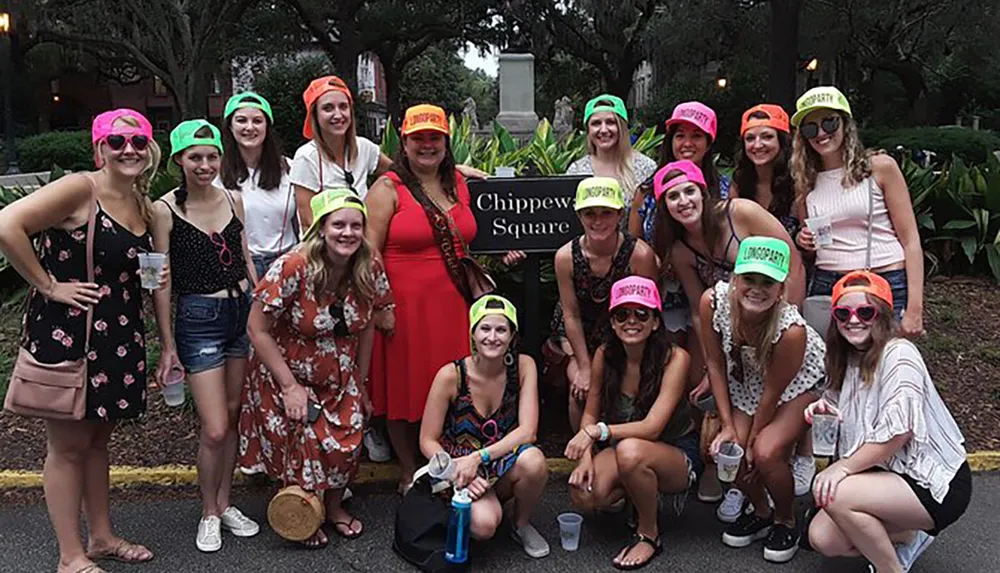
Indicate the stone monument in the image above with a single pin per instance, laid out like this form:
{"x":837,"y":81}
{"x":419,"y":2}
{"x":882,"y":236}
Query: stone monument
{"x":517,"y":94}
{"x":562,"y":120}
{"x":469,"y":111}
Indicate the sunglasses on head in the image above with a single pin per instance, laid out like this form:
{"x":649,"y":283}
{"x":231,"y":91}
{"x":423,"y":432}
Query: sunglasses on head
{"x":622,"y":314}
{"x":829,"y":125}
{"x":865,"y":313}
{"x":117,"y":141}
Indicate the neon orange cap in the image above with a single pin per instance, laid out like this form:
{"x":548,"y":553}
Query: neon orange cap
{"x":877,"y":286}
{"x":425,"y":117}
{"x":317,"y":88}
{"x":776,"y":118}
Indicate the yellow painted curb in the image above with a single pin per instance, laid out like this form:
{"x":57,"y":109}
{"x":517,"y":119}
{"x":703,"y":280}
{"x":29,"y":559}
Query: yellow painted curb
{"x":124,"y":476}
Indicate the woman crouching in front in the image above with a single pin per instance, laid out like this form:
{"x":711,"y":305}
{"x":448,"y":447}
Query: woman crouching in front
{"x":494,"y":454}
{"x":312,"y":332}
{"x":902,"y":476}
{"x":638,"y":388}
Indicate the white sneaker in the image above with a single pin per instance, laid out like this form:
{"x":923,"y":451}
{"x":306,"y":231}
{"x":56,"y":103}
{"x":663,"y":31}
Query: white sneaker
{"x":803,"y":470}
{"x":532,"y":541}
{"x":377,"y":446}
{"x":209,"y":534}
{"x":238,"y":524}
{"x":731,"y":507}
{"x":908,"y":552}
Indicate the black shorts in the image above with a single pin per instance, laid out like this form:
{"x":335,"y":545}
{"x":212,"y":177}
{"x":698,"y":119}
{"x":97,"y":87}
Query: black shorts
{"x":954,"y":503}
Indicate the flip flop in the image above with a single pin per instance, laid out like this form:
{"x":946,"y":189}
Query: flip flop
{"x":317,"y":544}
{"x":120,"y":553}
{"x":347,"y":525}
{"x":636,"y":540}
{"x":91,"y":568}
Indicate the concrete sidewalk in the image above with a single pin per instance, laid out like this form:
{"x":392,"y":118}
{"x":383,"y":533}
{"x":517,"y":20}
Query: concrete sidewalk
{"x":692,"y":541}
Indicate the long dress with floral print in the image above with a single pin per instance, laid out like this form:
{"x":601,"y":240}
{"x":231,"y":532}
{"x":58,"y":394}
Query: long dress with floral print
{"x":53,"y":331}
{"x":320,"y":345}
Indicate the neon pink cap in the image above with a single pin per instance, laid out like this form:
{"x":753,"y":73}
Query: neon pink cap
{"x":696,"y":114}
{"x":690,"y":172}
{"x":104,"y":125}
{"x":636,"y":290}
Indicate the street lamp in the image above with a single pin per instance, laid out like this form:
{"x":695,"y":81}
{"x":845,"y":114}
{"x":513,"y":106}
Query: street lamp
{"x":8,"y":79}
{"x":721,"y":83}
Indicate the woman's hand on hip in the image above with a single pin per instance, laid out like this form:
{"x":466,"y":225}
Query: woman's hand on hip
{"x":77,"y":295}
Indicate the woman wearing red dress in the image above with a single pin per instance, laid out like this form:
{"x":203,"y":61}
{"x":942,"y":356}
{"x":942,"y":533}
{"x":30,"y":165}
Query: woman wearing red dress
{"x":414,"y":212}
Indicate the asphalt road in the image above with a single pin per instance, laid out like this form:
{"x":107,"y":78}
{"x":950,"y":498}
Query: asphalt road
{"x":692,"y":541}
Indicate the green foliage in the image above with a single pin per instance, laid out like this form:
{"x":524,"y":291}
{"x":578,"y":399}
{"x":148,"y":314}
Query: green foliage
{"x":70,"y":150}
{"x":971,"y":146}
{"x":958,"y":212}
{"x":282,"y":85}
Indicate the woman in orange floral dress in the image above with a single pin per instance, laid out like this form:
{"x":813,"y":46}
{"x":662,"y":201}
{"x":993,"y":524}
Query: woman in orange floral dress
{"x":311,"y":328}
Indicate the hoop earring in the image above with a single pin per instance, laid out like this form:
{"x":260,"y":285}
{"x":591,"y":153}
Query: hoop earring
{"x":508,"y":359}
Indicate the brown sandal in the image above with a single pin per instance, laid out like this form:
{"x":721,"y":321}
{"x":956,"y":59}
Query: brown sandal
{"x":121,"y":552}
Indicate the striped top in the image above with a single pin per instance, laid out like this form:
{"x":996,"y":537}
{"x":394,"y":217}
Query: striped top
{"x":848,"y":212}
{"x":901,"y":399}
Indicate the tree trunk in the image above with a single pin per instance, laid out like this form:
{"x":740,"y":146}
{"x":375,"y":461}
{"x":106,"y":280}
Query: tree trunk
{"x":346,"y":57}
{"x":783,"y":60}
{"x":392,"y":93}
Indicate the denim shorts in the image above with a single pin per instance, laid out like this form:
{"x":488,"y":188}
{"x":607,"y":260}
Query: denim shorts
{"x":208,"y":330}
{"x":823,"y":281}
{"x":263,"y":262}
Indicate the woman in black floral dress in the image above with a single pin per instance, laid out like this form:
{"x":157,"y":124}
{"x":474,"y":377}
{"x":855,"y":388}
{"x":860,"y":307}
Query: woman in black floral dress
{"x":76,"y":466}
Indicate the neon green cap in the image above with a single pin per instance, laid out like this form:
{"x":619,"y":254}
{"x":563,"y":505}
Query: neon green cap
{"x":764,"y":255}
{"x":822,"y":97}
{"x":617,"y":106}
{"x":491,"y":304}
{"x":183,"y":136}
{"x":330,"y":200}
{"x":599,"y":192}
{"x":248,"y":99}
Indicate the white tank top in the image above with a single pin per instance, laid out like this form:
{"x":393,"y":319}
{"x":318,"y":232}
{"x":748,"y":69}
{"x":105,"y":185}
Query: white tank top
{"x":848,"y":212}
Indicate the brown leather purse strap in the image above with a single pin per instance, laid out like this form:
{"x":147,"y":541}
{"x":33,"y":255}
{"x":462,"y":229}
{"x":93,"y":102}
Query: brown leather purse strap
{"x":91,"y":229}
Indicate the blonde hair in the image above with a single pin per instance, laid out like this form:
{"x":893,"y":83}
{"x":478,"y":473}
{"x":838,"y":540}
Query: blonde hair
{"x":623,"y":154}
{"x":360,"y":273}
{"x":760,"y":339}
{"x":806,"y":163}
{"x":140,"y":187}
{"x":350,"y":138}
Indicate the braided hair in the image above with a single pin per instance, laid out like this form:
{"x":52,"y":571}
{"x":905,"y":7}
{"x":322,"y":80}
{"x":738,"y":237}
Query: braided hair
{"x":181,"y":193}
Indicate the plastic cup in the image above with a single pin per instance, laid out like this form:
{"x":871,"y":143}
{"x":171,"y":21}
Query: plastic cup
{"x":441,"y":466}
{"x":822,"y":230}
{"x":569,"y":530}
{"x":707,"y":403}
{"x":728,"y":461}
{"x":150,"y":267}
{"x":173,"y":390}
{"x":824,"y":434}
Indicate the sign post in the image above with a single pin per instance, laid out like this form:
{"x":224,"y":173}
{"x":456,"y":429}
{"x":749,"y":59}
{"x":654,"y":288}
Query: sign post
{"x":534,"y":215}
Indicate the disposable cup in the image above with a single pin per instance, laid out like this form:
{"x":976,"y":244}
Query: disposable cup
{"x":822,"y":230}
{"x":706,"y":403}
{"x":150,"y":267}
{"x":727,"y":461}
{"x":824,"y":434}
{"x":173,"y":389}
{"x":569,"y":530}
{"x":441,"y":466}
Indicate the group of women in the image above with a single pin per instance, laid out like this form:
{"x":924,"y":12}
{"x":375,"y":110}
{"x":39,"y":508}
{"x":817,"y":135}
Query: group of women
{"x":357,"y":304}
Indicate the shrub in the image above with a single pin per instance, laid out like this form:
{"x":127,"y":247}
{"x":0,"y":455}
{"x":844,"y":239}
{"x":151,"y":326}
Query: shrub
{"x":971,"y":146}
{"x":70,"y":150}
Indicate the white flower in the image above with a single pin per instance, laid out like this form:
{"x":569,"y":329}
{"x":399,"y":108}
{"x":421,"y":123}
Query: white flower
{"x":357,"y":420}
{"x":323,"y":320}
{"x":326,"y":345}
{"x":346,"y":363}
{"x":351,"y":313}
{"x":329,"y":444}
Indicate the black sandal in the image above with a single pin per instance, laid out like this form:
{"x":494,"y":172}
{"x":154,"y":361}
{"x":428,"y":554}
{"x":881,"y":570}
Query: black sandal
{"x":348,"y":526}
{"x":638,"y":538}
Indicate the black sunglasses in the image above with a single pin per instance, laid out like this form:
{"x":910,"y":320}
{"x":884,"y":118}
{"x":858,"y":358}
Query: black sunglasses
{"x":349,"y":178}
{"x":621,"y":314}
{"x":829,"y":125}
{"x":117,"y":141}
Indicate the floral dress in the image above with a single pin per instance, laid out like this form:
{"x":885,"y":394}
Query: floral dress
{"x":320,"y":346}
{"x":54,"y":332}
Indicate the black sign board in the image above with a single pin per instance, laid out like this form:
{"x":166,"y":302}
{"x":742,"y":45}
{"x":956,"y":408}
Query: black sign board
{"x":531,"y":214}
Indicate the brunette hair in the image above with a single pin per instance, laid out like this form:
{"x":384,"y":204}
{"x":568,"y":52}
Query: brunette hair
{"x":806,"y":163}
{"x":324,"y":147}
{"x":782,"y":184}
{"x":181,"y":193}
{"x":655,"y":357}
{"x":272,"y":163}
{"x":446,"y":171}
{"x":668,"y":230}
{"x":707,"y":165}
{"x":839,"y":351}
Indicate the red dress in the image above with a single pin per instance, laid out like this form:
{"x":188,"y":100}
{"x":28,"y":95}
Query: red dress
{"x":432,"y":317}
{"x":320,"y":346}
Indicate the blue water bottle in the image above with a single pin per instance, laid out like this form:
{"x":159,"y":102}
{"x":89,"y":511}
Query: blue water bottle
{"x":457,"y":549}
